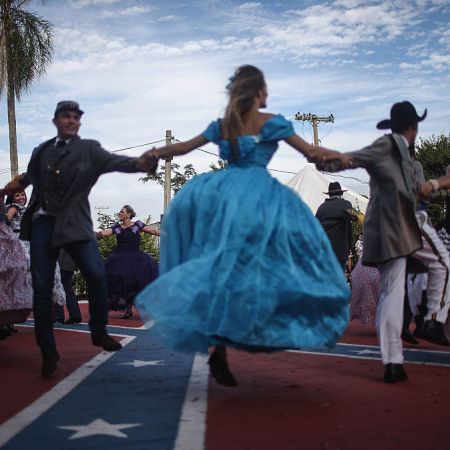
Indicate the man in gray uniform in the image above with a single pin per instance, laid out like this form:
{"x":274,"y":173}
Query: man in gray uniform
{"x":63,"y":171}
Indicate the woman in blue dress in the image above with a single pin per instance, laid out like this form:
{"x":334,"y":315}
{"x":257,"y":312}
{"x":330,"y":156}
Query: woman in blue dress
{"x":128,"y":269}
{"x":244,"y":263}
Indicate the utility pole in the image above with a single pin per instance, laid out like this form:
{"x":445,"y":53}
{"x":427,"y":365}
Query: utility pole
{"x":167,"y":173}
{"x":314,"y":120}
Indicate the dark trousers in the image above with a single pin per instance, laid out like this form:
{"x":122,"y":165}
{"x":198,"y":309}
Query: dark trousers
{"x":71,"y":299}
{"x":43,"y":264}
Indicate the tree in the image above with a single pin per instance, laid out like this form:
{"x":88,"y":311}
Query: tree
{"x":178,"y":178}
{"x":434,"y":154}
{"x":221,"y":164}
{"x":26,"y":49}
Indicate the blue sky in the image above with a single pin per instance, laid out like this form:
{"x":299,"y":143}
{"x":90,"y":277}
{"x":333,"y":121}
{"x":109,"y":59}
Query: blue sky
{"x":141,"y":67}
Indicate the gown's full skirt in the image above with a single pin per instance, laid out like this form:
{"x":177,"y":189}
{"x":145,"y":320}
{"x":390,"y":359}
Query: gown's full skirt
{"x":244,"y":262}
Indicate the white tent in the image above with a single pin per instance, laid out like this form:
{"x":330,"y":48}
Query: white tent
{"x":311,"y":184}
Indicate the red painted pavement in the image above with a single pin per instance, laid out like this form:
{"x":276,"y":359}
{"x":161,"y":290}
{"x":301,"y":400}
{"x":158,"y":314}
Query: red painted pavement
{"x":284,"y":401}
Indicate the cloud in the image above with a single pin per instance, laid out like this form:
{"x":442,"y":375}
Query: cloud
{"x":170,"y":18}
{"x":136,"y":81}
{"x":131,"y":11}
{"x":84,"y":3}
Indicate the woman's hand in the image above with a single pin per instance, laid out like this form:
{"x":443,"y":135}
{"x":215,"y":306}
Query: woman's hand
{"x":330,"y":161}
{"x":425,"y":189}
{"x":148,"y":161}
{"x":12,"y":187}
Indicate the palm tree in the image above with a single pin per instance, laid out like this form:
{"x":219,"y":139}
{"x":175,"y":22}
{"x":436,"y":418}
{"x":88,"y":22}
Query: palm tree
{"x":26,"y":48}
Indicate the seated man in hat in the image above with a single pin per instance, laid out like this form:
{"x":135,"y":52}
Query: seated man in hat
{"x":391,"y":231}
{"x":336,"y":215}
{"x":63,"y":171}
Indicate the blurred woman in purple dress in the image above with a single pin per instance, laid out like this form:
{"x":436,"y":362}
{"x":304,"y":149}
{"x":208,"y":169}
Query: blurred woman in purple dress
{"x":128,"y":269}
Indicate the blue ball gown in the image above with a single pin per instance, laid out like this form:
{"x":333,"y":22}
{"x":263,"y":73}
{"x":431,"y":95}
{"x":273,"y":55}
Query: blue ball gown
{"x":243,"y":260}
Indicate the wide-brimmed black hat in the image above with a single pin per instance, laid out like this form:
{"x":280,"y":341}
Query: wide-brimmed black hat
{"x":402,"y":115}
{"x":68,"y":105}
{"x":334,"y":188}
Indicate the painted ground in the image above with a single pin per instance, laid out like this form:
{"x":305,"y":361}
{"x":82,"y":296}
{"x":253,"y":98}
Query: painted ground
{"x":146,"y":397}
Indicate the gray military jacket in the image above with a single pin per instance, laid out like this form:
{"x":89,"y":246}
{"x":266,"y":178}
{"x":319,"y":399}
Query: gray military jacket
{"x":83,"y":161}
{"x":390,"y":225}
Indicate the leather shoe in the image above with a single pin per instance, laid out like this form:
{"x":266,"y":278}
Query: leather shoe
{"x":408,"y":337}
{"x":71,"y":321}
{"x":394,"y":372}
{"x":220,"y":371}
{"x":106,"y":341}
{"x":433,"y":331}
{"x":49,"y":365}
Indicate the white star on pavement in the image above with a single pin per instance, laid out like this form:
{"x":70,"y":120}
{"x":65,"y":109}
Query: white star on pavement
{"x":99,"y":426}
{"x":367,"y":352}
{"x":140,"y":363}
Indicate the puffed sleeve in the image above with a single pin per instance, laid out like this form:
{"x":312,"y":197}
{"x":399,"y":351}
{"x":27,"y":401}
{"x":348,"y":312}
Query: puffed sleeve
{"x":139,"y":224}
{"x":277,"y":128}
{"x":116,"y":228}
{"x":212,"y":133}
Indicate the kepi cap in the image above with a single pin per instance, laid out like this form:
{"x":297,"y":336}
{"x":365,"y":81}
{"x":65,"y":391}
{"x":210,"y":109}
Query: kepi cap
{"x":68,"y":105}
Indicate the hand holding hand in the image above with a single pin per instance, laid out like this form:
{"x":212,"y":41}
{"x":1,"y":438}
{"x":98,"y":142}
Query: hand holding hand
{"x":335,"y":164}
{"x":12,"y":187}
{"x":148,"y":161}
{"x":425,"y":189}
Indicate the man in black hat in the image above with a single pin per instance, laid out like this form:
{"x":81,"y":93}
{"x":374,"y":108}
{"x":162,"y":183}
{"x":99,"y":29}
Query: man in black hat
{"x":63,"y":171}
{"x":336,"y":215}
{"x":391,"y":232}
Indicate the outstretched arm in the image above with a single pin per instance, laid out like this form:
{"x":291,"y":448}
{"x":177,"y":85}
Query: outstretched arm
{"x":17,"y":184}
{"x":151,"y":230}
{"x":314,"y":153}
{"x":104,"y":233}
{"x":435,"y":185}
{"x":180,"y":148}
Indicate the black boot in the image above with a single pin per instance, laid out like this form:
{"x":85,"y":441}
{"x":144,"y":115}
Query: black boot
{"x":219,"y":369}
{"x":433,"y":331}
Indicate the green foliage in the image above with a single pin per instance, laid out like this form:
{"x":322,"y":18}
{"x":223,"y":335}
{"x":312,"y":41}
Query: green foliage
{"x":26,"y":45}
{"x":26,"y":49}
{"x":179,"y":178}
{"x":434,"y":154}
{"x":221,"y":164}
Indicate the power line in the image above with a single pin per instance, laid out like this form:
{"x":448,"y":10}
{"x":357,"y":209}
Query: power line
{"x":344,"y":176}
{"x":136,"y":146}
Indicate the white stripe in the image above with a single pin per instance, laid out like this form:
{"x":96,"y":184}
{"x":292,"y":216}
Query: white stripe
{"x":28,"y":415}
{"x":377,"y":358}
{"x":192,"y":428}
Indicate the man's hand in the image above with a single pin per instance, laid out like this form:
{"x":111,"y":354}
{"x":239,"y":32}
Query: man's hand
{"x":330,"y":160}
{"x":425,"y":189}
{"x":148,"y":161}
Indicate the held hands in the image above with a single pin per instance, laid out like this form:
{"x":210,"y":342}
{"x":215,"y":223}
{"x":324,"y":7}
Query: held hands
{"x":148,"y":161}
{"x":426,"y":189}
{"x":330,"y":160}
{"x":12,"y":187}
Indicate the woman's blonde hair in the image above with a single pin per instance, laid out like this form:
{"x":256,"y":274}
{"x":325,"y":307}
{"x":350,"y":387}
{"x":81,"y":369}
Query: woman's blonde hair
{"x":244,"y":86}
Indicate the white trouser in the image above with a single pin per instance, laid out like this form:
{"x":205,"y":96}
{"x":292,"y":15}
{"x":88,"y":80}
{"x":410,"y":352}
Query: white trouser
{"x":435,"y":257}
{"x":417,"y":283}
{"x":390,"y":309}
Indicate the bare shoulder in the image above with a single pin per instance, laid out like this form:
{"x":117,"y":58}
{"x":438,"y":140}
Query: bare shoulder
{"x":266,"y":116}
